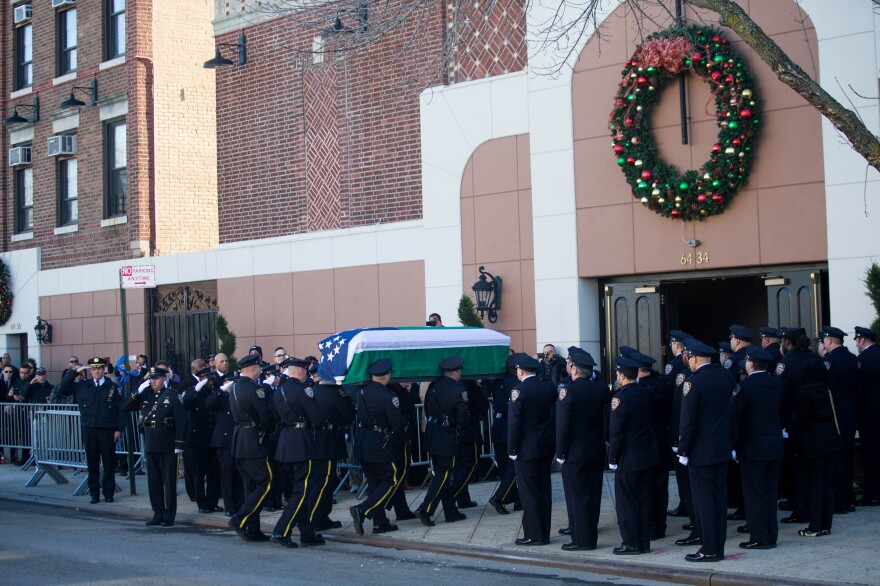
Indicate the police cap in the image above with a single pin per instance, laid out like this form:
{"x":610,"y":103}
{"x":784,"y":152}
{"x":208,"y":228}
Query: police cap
{"x":97,"y":362}
{"x":792,"y":333}
{"x":157,"y":372}
{"x":511,"y":361}
{"x":833,"y":332}
{"x":294,"y":361}
{"x":862,"y":332}
{"x":759,"y":354}
{"x":249,"y":360}
{"x":698,"y":348}
{"x":582,"y":359}
{"x":40,"y":371}
{"x":624,"y":362}
{"x":644,"y":360}
{"x":379,"y":368}
{"x":725,"y":347}
{"x":572,"y":350}
{"x":678,"y":335}
{"x":204,"y":372}
{"x":769,"y":332}
{"x":741,"y":332}
{"x":451,"y":363}
{"x":526,"y":362}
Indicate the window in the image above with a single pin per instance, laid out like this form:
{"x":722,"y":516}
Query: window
{"x":116,"y":163}
{"x":67,"y":192}
{"x":67,"y":41}
{"x":115,"y":35}
{"x":24,"y":200}
{"x":24,"y":56}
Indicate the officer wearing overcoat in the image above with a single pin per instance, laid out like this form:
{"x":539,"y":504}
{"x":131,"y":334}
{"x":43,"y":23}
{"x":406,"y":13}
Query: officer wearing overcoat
{"x":231,"y":483}
{"x":102,"y":419}
{"x":200,"y":427}
{"x":163,"y":420}
{"x":401,"y":445}
{"x":337,"y":414}
{"x":468,"y":456}
{"x":869,"y":410}
{"x":676,"y":372}
{"x":506,"y":492}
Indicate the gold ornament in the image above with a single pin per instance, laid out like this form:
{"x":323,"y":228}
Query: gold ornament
{"x":747,"y":93}
{"x":638,"y":163}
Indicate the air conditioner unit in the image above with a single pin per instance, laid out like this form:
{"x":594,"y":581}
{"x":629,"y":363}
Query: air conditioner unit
{"x":22,"y":13}
{"x":62,"y":144}
{"x":60,"y":3}
{"x":19,"y":156}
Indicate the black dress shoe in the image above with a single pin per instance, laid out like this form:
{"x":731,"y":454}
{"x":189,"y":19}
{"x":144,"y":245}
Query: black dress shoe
{"x":108,"y":499}
{"x":688,"y":527}
{"x":229,"y":514}
{"x":425,"y":518}
{"x":205,"y":511}
{"x":576,"y":547}
{"x":756,"y":545}
{"x":455,"y":516}
{"x":235,"y":525}
{"x":167,"y":523}
{"x":467,"y":504}
{"x":152,"y":523}
{"x":736,"y":516}
{"x":285,"y":541}
{"x":498,"y":506}
{"x":743,"y":529}
{"x":269,"y":509}
{"x":517,"y":506}
{"x":95,"y":500}
{"x":655,"y":535}
{"x":259,"y":536}
{"x":314,"y":540}
{"x":703,"y":557}
{"x":384,"y":529}
{"x":626,"y":550}
{"x":327,"y":525}
{"x":215,"y":509}
{"x":851,"y":508}
{"x":565,"y":531}
{"x":677,"y":512}
{"x":358,"y":517}
{"x":689,"y":541}
{"x":524,"y":541}
{"x":792,"y":519}
{"x":406,"y":516}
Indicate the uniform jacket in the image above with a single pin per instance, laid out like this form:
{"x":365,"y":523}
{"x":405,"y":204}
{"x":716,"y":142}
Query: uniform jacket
{"x":299,"y":419}
{"x":790,"y":370}
{"x":254,"y":419}
{"x":99,"y":407}
{"x":500,"y":400}
{"x":843,"y":366}
{"x":200,"y":420}
{"x":660,"y":389}
{"x":775,"y":352}
{"x":379,"y":421}
{"x":224,"y":424}
{"x":580,"y":412}
{"x":164,"y":429}
{"x":815,"y":426}
{"x":678,"y":380}
{"x":755,"y":422}
{"x":869,"y":387}
{"x":531,"y":431}
{"x":337,"y":413}
{"x":478,"y":407}
{"x":632,"y":444}
{"x":737,"y":367}
{"x":446,"y":409}
{"x":704,"y":435}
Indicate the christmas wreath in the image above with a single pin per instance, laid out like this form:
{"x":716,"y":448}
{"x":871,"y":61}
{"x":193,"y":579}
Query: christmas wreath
{"x":696,"y":194}
{"x":5,"y":295}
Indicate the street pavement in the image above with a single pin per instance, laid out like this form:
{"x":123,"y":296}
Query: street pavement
{"x":847,"y":556}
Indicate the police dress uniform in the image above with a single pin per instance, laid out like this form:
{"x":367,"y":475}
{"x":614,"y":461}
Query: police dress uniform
{"x":580,"y":411}
{"x":756,"y":436}
{"x":660,"y":389}
{"x":380,"y":424}
{"x":676,"y":372}
{"x":869,"y":410}
{"x":468,"y":455}
{"x":337,"y":413}
{"x":401,"y":446}
{"x":101,"y":415}
{"x":205,"y":470}
{"x":254,"y":420}
{"x":531,"y":440}
{"x":231,"y":483}
{"x":704,"y":439}
{"x":506,"y":492}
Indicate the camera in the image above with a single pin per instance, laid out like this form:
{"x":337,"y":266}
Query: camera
{"x":430,"y":323}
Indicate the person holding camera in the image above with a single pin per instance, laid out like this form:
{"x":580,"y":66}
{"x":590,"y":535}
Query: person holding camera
{"x":434,"y":321}
{"x":162,"y":420}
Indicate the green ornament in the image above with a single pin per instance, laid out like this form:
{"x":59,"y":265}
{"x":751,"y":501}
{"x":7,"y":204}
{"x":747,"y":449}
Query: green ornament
{"x":715,"y":183}
{"x":683,"y":186}
{"x":733,"y":125}
{"x":621,"y":161}
{"x":717,"y":58}
{"x":642,"y":185}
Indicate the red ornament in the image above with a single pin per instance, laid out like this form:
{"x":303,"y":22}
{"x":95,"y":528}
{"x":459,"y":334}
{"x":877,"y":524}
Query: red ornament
{"x":716,"y":76}
{"x":618,"y":102}
{"x":646,"y":174}
{"x":701,"y":198}
{"x":696,"y":56}
{"x":642,"y":80}
{"x":718,"y":199}
{"x":618,"y":149}
{"x":630,"y":160}
{"x":745,"y":113}
{"x":676,"y":214}
{"x":627,"y":121}
{"x":736,"y":142}
{"x":716,"y":38}
{"x":728,"y":79}
{"x":634,"y":140}
{"x":716,"y":148}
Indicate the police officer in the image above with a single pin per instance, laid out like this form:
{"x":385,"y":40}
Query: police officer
{"x":397,"y":500}
{"x":231,"y":483}
{"x":632,"y":453}
{"x":200,"y":427}
{"x":254,"y":420}
{"x":299,"y":419}
{"x":531,"y":439}
{"x":380,"y":424}
{"x":770,"y":343}
{"x":103,"y":421}
{"x":580,"y":410}
{"x":843,"y":366}
{"x":676,"y":372}
{"x":162,"y":417}
{"x":869,"y":408}
{"x":740,"y":340}
{"x":704,"y":446}
{"x":756,"y":436}
{"x":468,"y":455}
{"x":506,"y":492}
{"x":447,"y":420}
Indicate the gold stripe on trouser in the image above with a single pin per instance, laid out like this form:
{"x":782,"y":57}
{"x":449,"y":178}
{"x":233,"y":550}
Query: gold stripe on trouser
{"x":318,"y":500}
{"x":509,"y":488}
{"x":302,"y":499}
{"x":399,"y":483}
{"x":262,"y":498}
{"x":442,"y":482}
{"x":381,"y":501}
{"x":471,"y":473}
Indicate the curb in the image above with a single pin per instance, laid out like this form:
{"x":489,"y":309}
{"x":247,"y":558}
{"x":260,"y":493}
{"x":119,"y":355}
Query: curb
{"x":634,"y":571}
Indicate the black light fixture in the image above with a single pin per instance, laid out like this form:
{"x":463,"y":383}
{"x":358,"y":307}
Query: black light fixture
{"x":221,"y":61}
{"x":17,"y":118}
{"x":43,"y":330}
{"x":487,"y":290}
{"x":338,"y":27}
{"x":73,"y":102}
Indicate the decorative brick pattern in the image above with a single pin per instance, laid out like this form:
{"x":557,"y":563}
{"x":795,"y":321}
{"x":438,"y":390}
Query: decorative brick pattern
{"x":322,"y":147}
{"x":488,"y":37}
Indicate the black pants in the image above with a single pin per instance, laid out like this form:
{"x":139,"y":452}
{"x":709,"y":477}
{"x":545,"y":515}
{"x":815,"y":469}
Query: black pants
{"x":533,"y":482}
{"x":231,"y":484}
{"x":281,"y":484}
{"x":709,"y":492}
{"x":298,"y":510}
{"x":397,"y":499}
{"x":659,"y":498}
{"x":734,"y":486}
{"x":465,"y":465}
{"x":869,"y":434}
{"x":205,"y":476}
{"x":632,"y":492}
{"x":760,"y":487}
{"x":506,"y":492}
{"x":381,"y":478}
{"x":439,"y":491}
{"x":818,"y":477}
{"x":328,"y":477}
{"x":162,"y":484}
{"x":189,"y":475}
{"x":257,"y":476}
{"x":100,"y":450}
{"x":844,"y":472}
{"x":582,"y":482}
{"x":685,"y":497}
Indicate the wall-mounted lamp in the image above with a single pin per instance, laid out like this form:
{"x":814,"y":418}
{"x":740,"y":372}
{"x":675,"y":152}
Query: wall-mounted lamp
{"x":220,"y":61}
{"x":17,"y":118}
{"x":90,"y":90}
{"x":338,"y":27}
{"x":488,"y":293}
{"x":43,"y":331}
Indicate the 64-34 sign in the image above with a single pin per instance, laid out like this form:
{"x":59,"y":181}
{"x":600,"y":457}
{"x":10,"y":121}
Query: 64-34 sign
{"x":137,"y":276}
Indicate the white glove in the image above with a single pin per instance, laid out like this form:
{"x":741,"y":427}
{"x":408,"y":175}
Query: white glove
{"x":674,"y":449}
{"x":612,"y":466}
{"x":144,"y":386}
{"x":178,"y":451}
{"x":683,"y":460}
{"x":560,"y":460}
{"x":733,"y":456}
{"x":270,"y":379}
{"x":512,"y":456}
{"x":226,"y":385}
{"x":200,"y":385}
{"x":784,"y":434}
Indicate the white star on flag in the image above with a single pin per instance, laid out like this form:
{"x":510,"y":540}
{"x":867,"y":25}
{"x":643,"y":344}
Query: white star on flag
{"x":341,"y":342}
{"x":330,"y":358}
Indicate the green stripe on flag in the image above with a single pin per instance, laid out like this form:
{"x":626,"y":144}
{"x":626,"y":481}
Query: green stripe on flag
{"x":422,"y":364}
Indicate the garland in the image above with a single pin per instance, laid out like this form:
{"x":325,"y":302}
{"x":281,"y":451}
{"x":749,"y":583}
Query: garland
{"x":5,"y":295}
{"x":657,"y":184}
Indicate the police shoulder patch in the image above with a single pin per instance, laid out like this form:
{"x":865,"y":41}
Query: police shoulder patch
{"x":679,"y":379}
{"x":728,"y":363}
{"x":261,"y":393}
{"x":514,"y":395}
{"x":615,"y":403}
{"x":668,"y":369}
{"x":780,"y":368}
{"x":396,"y":402}
{"x":736,"y":390}
{"x":310,"y":393}
{"x":686,"y":389}
{"x":563,"y":392}
{"x":827,"y":365}
{"x":464,"y":396}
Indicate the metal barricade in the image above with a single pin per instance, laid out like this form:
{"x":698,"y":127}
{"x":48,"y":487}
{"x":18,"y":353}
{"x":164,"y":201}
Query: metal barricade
{"x":57,"y":441}
{"x":15,"y":426}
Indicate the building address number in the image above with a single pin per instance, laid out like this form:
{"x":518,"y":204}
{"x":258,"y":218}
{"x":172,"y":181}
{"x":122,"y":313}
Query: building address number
{"x":699,"y":257}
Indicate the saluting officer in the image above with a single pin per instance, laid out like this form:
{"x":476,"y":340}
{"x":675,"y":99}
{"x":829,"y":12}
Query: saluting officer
{"x":580,"y":411}
{"x":447,"y":420}
{"x":704,"y":446}
{"x":380,"y":423}
{"x":299,"y":419}
{"x":677,"y":371}
{"x":869,"y":409}
{"x":163,"y":418}
{"x":254,"y":420}
{"x":231,"y":483}
{"x":756,"y":436}
{"x":531,"y":443}
{"x":506,"y":492}
{"x":205,"y":470}
{"x":103,"y":421}
{"x":632,"y":453}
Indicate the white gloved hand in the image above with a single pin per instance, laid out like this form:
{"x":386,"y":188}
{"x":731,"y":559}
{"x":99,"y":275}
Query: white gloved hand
{"x":226,"y":386}
{"x":201,"y":384}
{"x":683,"y":460}
{"x":144,"y":386}
{"x":269,"y":379}
{"x":178,"y":451}
{"x":512,"y":456}
{"x":784,"y":434}
{"x":560,"y":460}
{"x":612,"y":466}
{"x":674,"y":449}
{"x":733,"y":456}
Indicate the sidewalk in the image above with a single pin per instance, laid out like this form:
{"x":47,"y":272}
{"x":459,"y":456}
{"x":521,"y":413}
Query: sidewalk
{"x":848,"y":556}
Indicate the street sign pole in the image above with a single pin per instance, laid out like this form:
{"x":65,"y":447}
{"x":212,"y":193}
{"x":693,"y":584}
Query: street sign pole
{"x":130,"y":429}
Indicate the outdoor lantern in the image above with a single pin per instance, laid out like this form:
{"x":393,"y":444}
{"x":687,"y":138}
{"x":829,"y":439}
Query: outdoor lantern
{"x":221,"y":61}
{"x":43,"y":331}
{"x":488,"y":294}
